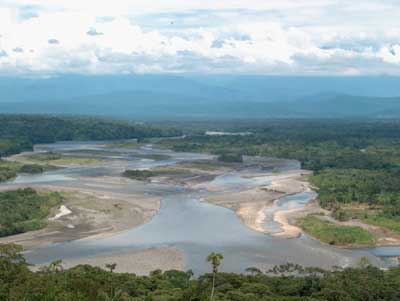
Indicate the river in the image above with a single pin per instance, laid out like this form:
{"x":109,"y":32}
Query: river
{"x":183,"y":221}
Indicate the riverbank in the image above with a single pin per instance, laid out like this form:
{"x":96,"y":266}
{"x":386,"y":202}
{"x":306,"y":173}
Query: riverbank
{"x":251,"y":205}
{"x":140,"y":262}
{"x":90,"y":214}
{"x":50,"y":160}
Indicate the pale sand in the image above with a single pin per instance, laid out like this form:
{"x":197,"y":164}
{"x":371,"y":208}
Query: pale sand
{"x":63,"y":211}
{"x":288,"y":230}
{"x":250,"y":205}
{"x":252,"y":215}
{"x":140,"y":262}
{"x":288,"y":186}
{"x":93,"y":214}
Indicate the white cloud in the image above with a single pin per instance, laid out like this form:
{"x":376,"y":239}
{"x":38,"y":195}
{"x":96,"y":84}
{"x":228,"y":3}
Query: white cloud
{"x":253,"y":36}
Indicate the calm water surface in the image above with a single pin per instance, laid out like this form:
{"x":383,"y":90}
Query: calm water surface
{"x":195,"y":227}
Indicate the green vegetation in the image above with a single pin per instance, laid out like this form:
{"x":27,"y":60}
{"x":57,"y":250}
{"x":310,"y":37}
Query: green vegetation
{"x":287,"y":282}
{"x":215,"y":260}
{"x":385,"y":222}
{"x":45,"y":129}
{"x":230,"y":158}
{"x":12,"y":145}
{"x":354,"y":162}
{"x":9,"y":170}
{"x":31,"y":168}
{"x":49,"y":159}
{"x":140,"y":175}
{"x":25,"y":210}
{"x":144,"y":175}
{"x":335,"y":234}
{"x":20,"y":132}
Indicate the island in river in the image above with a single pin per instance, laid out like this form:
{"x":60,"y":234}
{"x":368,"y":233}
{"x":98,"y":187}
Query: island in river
{"x":191,"y":205}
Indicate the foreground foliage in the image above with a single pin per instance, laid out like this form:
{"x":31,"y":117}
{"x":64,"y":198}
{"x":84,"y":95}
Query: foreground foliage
{"x":283,"y":283}
{"x":25,"y":210}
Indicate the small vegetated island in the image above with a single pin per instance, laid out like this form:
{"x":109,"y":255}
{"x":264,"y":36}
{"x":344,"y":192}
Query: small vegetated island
{"x":19,"y":133}
{"x":356,"y":172}
{"x":140,"y":175}
{"x":356,"y":167}
{"x":25,"y":210}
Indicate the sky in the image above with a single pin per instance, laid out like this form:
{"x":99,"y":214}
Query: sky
{"x":271,"y":37}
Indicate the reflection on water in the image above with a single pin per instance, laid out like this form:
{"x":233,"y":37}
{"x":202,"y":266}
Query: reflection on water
{"x":183,"y":221}
{"x":40,"y":178}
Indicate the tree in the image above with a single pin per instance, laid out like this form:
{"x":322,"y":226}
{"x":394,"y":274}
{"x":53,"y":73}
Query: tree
{"x":111,"y":266}
{"x":215,"y":259}
{"x":253,"y":271}
{"x":11,"y":258}
{"x":363,"y":262}
{"x":114,"y":295}
{"x":56,"y":266}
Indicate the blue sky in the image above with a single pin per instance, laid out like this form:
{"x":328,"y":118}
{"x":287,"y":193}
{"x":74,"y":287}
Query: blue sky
{"x":285,"y":37}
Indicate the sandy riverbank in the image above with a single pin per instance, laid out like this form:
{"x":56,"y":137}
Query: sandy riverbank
{"x":250,"y":205}
{"x":140,"y":262}
{"x":92,"y":214}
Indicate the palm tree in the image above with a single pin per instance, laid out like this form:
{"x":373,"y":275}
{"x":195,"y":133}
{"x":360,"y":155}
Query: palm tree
{"x":215,"y":259}
{"x":56,"y":266}
{"x":114,"y":295}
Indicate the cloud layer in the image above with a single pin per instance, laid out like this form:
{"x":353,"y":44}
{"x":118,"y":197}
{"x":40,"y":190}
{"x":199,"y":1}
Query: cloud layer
{"x":305,"y":37}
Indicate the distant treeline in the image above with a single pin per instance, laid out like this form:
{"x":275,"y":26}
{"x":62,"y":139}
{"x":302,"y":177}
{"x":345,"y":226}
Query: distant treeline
{"x":20,"y":132}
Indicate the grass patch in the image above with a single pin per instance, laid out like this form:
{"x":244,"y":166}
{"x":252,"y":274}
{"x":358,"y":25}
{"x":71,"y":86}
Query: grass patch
{"x":140,"y":175}
{"x":372,"y":215}
{"x":25,"y":210}
{"x":59,"y":159}
{"x":385,"y":222}
{"x":334,"y":234}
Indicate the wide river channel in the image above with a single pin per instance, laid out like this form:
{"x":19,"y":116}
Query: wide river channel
{"x":183,"y":221}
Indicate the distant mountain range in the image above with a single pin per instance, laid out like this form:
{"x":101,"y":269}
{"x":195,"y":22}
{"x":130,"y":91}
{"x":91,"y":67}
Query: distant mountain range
{"x":168,"y":97}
